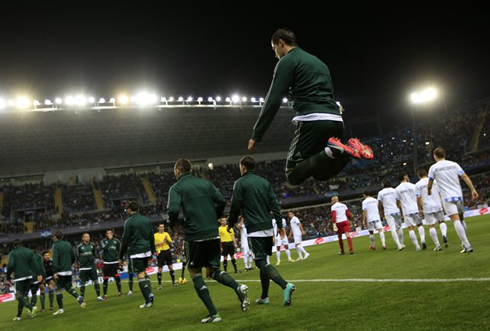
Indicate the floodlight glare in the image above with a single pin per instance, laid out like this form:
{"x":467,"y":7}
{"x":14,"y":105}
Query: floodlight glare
{"x":22,"y":102}
{"x":58,"y":101}
{"x":3,"y":104}
{"x":244,"y":99}
{"x":48,"y":102}
{"x":235,"y":98}
{"x":101,"y":100}
{"x":123,"y":99}
{"x":91,"y":100}
{"x":69,"y":100}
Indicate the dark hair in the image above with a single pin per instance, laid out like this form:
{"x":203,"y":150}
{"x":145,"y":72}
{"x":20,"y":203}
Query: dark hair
{"x":367,"y":193}
{"x":17,"y":242}
{"x":110,"y":229}
{"x":402,"y":174}
{"x":286,"y":35}
{"x":422,"y":172}
{"x":133,"y":205}
{"x":183,"y":165}
{"x":440,"y":152}
{"x":45,"y":252}
{"x":248,"y":162}
{"x":58,"y":235}
{"x":386,"y":182}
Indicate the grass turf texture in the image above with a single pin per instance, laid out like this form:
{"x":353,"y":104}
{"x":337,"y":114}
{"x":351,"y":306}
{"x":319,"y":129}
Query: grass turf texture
{"x":370,"y":290}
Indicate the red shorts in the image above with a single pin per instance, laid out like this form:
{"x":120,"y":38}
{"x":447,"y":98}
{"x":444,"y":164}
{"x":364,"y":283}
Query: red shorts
{"x":343,"y":227}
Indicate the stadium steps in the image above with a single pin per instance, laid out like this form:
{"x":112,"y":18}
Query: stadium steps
{"x":99,"y":201}
{"x":58,"y":200}
{"x":476,"y":136}
{"x":149,"y":190}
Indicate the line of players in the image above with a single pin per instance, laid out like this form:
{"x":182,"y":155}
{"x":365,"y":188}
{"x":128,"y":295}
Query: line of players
{"x":436,"y":194}
{"x":83,"y":259}
{"x":281,"y":239}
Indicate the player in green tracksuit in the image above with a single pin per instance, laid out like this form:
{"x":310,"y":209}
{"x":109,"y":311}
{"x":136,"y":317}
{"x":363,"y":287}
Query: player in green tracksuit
{"x":254,"y":198}
{"x":35,"y":284}
{"x":86,"y":253}
{"x":63,"y":259}
{"x":139,"y":242}
{"x":202,"y":205}
{"x":316,"y":149}
{"x":110,"y":255}
{"x":22,"y":263}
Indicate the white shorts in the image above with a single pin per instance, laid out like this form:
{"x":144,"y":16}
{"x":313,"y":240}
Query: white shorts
{"x":394,"y":221}
{"x":433,"y":218}
{"x":413,"y":220}
{"x":245,"y":250}
{"x":374,"y":225}
{"x":298,"y":239}
{"x":453,"y":207}
{"x":281,"y":242}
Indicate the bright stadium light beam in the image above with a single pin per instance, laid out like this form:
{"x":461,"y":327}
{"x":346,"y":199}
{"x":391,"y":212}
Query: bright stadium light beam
{"x":3,"y":104}
{"x":22,"y":102}
{"x":417,"y":98}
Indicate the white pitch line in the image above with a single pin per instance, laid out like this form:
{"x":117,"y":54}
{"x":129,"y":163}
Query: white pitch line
{"x":371,"y":280}
{"x":364,"y":280}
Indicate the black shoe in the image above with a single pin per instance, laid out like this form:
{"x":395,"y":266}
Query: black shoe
{"x":424,"y":246}
{"x":444,"y":240}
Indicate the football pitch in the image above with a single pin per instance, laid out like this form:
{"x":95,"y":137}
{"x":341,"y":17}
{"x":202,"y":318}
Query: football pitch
{"x":369,"y":290}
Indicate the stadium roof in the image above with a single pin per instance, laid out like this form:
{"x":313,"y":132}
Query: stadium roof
{"x":40,"y":142}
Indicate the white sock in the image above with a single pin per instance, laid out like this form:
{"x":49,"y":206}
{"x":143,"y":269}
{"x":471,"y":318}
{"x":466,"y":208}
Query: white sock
{"x":461,"y":233}
{"x":303,"y":250}
{"x":433,"y":235}
{"x":288,"y":254}
{"x":463,"y":223}
{"x":382,"y":236}
{"x":250,"y":261}
{"x":278,"y":254}
{"x":395,"y":238}
{"x":414,"y":239}
{"x":443,"y":228}
{"x":245,"y":261}
{"x":329,"y":153}
{"x":371,"y":237}
{"x":268,"y":259}
{"x":298,"y":249}
{"x":422,"y":233}
{"x":401,"y":236}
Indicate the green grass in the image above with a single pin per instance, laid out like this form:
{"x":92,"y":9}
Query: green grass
{"x":332,"y":293}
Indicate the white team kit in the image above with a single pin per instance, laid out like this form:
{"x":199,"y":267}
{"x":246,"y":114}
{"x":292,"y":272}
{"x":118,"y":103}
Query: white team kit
{"x":406,"y":193}
{"x":387,"y":197}
{"x":340,"y":212}
{"x":373,"y":220}
{"x":280,"y":241}
{"x":431,"y":204}
{"x":447,"y":174}
{"x":298,"y":236}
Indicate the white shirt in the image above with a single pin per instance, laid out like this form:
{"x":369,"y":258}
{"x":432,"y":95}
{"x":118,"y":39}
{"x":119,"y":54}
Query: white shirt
{"x":370,"y":205}
{"x":243,"y":236}
{"x":447,"y":174}
{"x":430,"y":203}
{"x":274,"y":225}
{"x":340,"y":212}
{"x":406,"y":194}
{"x":388,"y":198}
{"x":295,"y":226}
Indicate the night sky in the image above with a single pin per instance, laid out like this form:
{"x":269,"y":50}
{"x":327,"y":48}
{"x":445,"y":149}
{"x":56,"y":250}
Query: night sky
{"x":377,"y":54}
